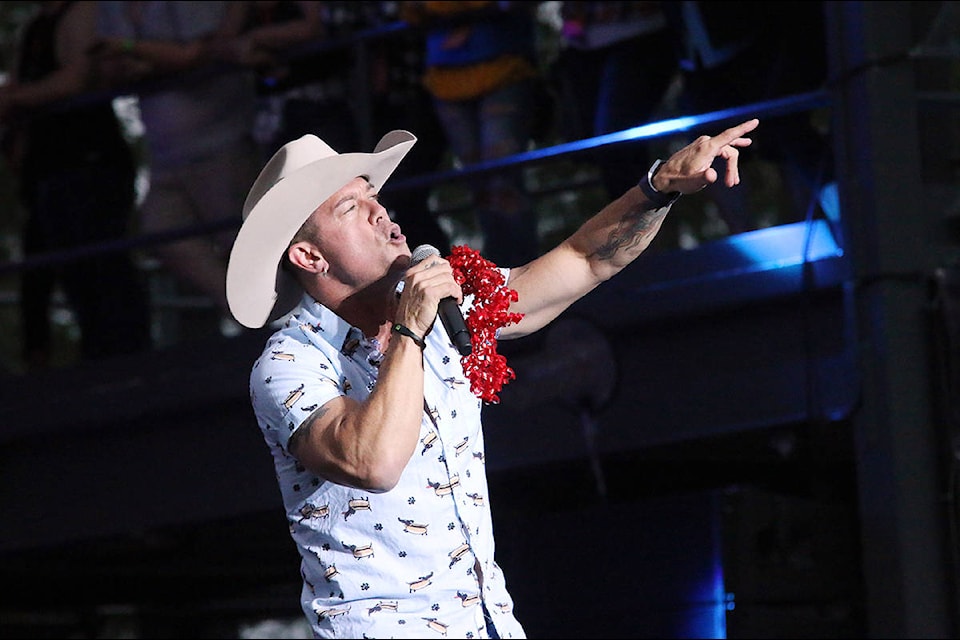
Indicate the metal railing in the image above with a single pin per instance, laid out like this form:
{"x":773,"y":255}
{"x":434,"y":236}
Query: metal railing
{"x":358,"y":42}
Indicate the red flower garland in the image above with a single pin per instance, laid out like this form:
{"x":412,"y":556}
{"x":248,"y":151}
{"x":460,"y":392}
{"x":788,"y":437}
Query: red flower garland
{"x":477,"y":276}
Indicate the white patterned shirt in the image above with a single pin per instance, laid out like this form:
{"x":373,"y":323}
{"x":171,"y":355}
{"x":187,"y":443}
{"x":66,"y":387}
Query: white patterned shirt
{"x":393,"y":564}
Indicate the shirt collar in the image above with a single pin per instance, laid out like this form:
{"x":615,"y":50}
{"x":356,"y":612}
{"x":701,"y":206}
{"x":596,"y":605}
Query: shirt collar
{"x":320,"y":323}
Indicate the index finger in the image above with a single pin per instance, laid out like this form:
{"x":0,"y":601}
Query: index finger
{"x":731,"y":134}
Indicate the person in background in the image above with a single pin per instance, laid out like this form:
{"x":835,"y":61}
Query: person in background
{"x":616,"y":62}
{"x":400,"y":101}
{"x":76,"y":177}
{"x":197,"y":104}
{"x":273,"y":33}
{"x":480,"y":68}
{"x":301,"y":86}
{"x":371,"y":415}
{"x":304,"y":87}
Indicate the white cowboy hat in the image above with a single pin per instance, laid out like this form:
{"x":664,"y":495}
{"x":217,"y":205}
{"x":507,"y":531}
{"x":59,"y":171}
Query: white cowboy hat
{"x":297,"y":179}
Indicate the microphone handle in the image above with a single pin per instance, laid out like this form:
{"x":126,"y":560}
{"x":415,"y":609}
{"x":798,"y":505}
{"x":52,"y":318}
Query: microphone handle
{"x":456,"y":327}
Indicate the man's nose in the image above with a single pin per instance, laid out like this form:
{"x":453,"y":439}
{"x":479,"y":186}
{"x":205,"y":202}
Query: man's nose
{"x":377,"y":212}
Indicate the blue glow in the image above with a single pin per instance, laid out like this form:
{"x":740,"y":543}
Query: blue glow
{"x":763,"y":262}
{"x":650,"y":131}
{"x":707,"y":618}
{"x":779,"y":250}
{"x":723,"y":599}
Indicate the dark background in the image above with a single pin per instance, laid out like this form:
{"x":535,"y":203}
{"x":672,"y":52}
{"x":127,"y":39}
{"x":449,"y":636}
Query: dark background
{"x":712,"y":445}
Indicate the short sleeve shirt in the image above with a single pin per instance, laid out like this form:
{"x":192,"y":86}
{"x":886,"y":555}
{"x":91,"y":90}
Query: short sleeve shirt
{"x":399,"y":563}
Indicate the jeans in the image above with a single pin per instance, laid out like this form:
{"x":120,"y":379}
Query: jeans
{"x":489,"y":127}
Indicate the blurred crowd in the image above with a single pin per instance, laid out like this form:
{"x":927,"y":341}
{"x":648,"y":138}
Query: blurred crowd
{"x":220,"y":86}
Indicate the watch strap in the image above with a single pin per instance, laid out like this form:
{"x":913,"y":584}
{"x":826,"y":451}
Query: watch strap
{"x":659,"y":199}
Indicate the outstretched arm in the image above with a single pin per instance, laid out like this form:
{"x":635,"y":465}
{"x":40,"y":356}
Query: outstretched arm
{"x":615,"y":237}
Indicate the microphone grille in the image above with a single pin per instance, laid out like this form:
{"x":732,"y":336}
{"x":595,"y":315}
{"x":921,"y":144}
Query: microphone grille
{"x":422,"y":252}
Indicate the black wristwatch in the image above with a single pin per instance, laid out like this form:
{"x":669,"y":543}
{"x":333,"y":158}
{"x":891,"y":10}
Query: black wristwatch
{"x":659,"y":199}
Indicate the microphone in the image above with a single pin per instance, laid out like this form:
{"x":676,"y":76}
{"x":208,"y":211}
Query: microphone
{"x":448,"y":310}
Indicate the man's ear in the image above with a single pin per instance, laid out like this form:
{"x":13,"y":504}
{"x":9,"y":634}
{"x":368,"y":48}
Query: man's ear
{"x":306,"y":256}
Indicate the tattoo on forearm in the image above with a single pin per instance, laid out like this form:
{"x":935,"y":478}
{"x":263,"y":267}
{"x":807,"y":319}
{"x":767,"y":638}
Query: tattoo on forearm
{"x":634,"y":227}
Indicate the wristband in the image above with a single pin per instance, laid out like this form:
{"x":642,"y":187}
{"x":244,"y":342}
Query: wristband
{"x":658,"y":199}
{"x":404,"y":331}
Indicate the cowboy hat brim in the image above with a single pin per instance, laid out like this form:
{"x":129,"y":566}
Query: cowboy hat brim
{"x":258,"y":290}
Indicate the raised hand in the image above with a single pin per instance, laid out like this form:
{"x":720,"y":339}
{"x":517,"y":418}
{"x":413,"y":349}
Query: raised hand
{"x":691,"y":168}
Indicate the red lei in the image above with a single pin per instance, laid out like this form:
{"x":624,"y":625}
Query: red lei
{"x":477,"y":276}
